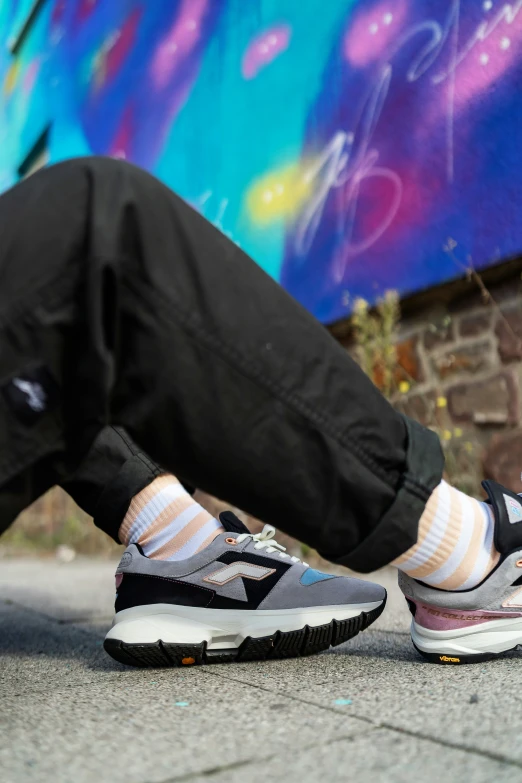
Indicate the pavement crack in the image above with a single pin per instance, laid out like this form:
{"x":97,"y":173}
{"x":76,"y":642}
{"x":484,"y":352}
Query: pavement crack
{"x":58,"y":620}
{"x":377,"y":724}
{"x":29,"y":609}
{"x":453,"y":745}
{"x":211,"y":771}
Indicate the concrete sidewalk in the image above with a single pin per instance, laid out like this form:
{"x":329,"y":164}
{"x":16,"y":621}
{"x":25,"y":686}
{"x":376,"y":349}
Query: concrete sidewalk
{"x":368,"y":711}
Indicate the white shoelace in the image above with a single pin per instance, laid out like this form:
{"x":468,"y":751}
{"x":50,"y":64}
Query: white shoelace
{"x":265,"y":540}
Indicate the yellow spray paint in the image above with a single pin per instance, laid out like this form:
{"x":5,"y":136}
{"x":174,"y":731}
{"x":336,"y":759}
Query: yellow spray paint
{"x":278,"y":195}
{"x":11,"y":78}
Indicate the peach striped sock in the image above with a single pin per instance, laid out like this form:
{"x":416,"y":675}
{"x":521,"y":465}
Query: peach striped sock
{"x":167,"y":522}
{"x":455,"y":549}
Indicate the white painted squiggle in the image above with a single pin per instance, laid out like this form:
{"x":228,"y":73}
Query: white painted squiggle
{"x":348,"y":159}
{"x":508,"y":13}
{"x":346,"y":162}
{"x":217,"y":221}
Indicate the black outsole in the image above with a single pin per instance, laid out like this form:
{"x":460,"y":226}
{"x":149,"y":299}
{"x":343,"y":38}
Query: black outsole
{"x":460,"y":660}
{"x":291,"y":644}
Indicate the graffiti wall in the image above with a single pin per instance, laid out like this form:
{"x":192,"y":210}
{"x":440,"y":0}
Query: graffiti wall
{"x":339,"y":143}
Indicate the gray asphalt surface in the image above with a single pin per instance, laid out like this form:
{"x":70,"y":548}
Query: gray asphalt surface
{"x":68,"y":712}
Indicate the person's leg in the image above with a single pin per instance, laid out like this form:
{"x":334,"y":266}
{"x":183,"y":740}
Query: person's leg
{"x":118,"y":303}
{"x":105,"y":483}
{"x":223,"y":376}
{"x":133,"y":500}
{"x":142,"y":313}
{"x":455,"y":548}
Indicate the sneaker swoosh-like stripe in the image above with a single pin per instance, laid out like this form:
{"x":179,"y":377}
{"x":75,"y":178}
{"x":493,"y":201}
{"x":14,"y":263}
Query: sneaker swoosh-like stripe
{"x":240,"y":569}
{"x":515,"y":599}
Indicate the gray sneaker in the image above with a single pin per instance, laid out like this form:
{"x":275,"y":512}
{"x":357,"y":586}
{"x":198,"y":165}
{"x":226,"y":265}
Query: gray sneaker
{"x":470,"y":626}
{"x":241,"y":598}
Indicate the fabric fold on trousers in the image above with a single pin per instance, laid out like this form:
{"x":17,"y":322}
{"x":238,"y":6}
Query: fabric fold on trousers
{"x":123,"y":306}
{"x":397,"y":530}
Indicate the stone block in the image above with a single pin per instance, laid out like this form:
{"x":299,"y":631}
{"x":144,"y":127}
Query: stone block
{"x":490,"y":401}
{"x":421,"y":407}
{"x":473,"y":325}
{"x":509,"y":332}
{"x":438,"y":334}
{"x":503,"y":459}
{"x":463,"y":359}
{"x":408,"y":366}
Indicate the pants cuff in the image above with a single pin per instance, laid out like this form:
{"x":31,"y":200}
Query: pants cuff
{"x":134,"y":475}
{"x":398,"y":529}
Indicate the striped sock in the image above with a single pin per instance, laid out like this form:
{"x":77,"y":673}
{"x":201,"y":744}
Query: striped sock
{"x":455,"y":549}
{"x":167,"y":522}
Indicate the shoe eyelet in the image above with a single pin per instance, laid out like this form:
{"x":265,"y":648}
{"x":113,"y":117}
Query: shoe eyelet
{"x":231,"y":541}
{"x":519,"y":564}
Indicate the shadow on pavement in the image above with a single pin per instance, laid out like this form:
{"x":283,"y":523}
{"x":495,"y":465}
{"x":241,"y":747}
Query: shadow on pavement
{"x":28,"y":633}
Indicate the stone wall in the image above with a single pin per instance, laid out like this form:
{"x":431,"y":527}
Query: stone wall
{"x":460,"y":372}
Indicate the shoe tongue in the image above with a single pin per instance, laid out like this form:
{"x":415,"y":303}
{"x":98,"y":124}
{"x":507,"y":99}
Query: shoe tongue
{"x":507,"y":508}
{"x":231,"y":523}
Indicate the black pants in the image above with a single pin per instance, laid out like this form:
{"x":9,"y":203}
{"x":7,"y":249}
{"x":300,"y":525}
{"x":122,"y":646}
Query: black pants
{"x":120,"y":305}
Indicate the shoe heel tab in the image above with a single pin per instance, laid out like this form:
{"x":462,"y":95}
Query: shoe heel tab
{"x":507,"y":509}
{"x":492,"y":487}
{"x":232,"y":523}
{"x":406,"y":583}
{"x":133,"y":552}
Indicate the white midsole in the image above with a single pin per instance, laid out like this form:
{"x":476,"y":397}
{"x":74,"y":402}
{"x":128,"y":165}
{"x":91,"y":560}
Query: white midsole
{"x":490,"y":636}
{"x":220,"y":628}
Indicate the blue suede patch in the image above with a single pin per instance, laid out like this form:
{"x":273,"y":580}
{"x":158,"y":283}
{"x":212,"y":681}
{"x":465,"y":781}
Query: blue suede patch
{"x":312,"y":576}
